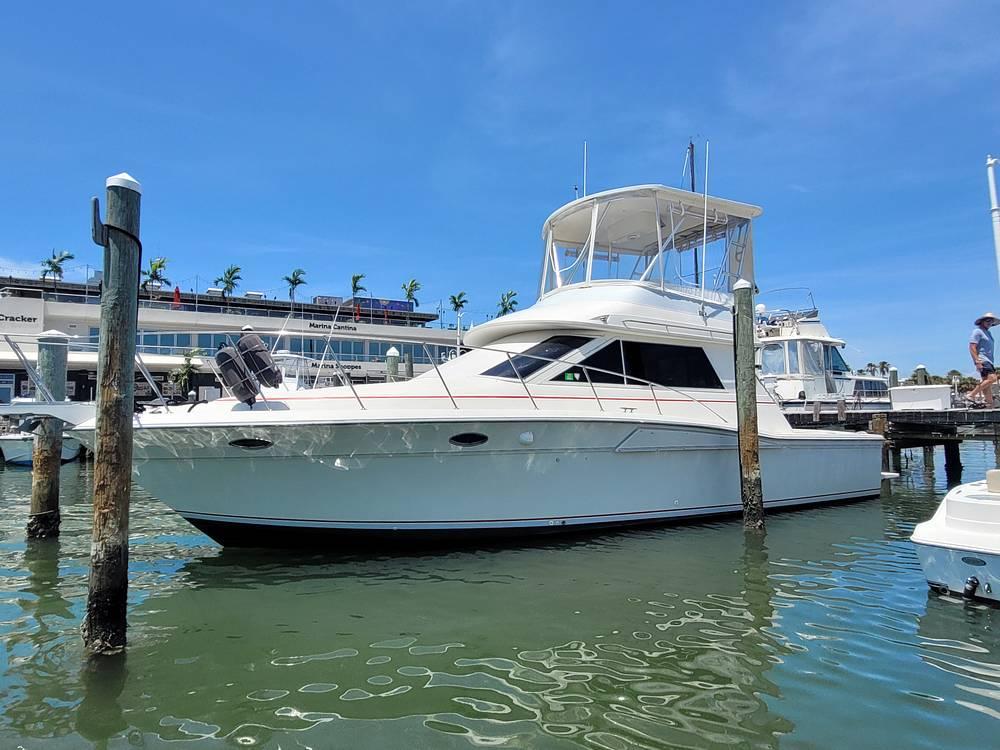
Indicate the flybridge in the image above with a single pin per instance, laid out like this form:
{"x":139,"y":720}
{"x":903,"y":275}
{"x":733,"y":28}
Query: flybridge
{"x":650,"y":234}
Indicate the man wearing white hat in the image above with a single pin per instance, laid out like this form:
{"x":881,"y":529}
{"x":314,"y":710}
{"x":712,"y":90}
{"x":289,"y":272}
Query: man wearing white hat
{"x":981,"y":349}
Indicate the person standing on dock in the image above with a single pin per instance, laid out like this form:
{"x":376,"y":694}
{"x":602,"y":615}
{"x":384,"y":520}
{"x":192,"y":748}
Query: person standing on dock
{"x":981,"y":349}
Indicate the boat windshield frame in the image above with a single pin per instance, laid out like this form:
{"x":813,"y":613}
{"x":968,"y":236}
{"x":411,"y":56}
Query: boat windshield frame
{"x":650,"y":235}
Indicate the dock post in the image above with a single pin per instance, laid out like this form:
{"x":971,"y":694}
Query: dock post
{"x":879,"y":424}
{"x":392,"y":365}
{"x":817,"y":407}
{"x":897,"y":460}
{"x":893,"y":377}
{"x":43,"y":519}
{"x":104,"y":625}
{"x":953,"y":461}
{"x":407,"y":366}
{"x":921,"y":375}
{"x":841,"y":410}
{"x":928,"y":456}
{"x":751,"y":491}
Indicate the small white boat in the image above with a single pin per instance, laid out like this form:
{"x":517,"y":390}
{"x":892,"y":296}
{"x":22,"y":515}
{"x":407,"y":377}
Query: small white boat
{"x":959,"y":547}
{"x":17,"y":448}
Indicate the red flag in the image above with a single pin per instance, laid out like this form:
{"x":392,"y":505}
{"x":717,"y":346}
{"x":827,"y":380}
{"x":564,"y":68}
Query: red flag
{"x":177,"y":298}
{"x":357,"y":311}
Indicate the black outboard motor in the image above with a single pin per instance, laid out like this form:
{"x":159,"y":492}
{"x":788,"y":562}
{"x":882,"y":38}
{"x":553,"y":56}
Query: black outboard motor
{"x":258,"y":359}
{"x":235,"y":375}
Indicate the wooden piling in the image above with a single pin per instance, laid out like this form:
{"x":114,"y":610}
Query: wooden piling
{"x":104,"y":625}
{"x":407,"y":366}
{"x":928,"y":456}
{"x":46,"y":457}
{"x":921,"y":375}
{"x":879,"y":424}
{"x":953,"y":461}
{"x":817,"y":409}
{"x":893,"y":377}
{"x":392,"y":365}
{"x":751,"y":491}
{"x":841,"y":410}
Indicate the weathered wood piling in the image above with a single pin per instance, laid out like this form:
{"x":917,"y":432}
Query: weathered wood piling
{"x":46,"y":457}
{"x":751,"y":491}
{"x":104,"y":626}
{"x":921,"y":375}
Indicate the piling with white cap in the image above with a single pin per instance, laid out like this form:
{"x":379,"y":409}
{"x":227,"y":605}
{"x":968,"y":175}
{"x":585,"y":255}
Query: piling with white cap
{"x":751,"y":492}
{"x":392,"y":365}
{"x":104,"y":625}
{"x":46,"y":458}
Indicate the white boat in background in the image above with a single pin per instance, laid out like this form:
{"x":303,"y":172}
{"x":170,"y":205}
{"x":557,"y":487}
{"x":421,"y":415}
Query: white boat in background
{"x":959,"y":547}
{"x":801,"y":364}
{"x":610,"y":401}
{"x":17,"y":448}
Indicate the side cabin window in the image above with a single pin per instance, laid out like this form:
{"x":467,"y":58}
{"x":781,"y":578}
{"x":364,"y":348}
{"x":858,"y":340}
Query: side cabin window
{"x":663,"y":364}
{"x":870,"y":388}
{"x":793,"y":357}
{"x":772,"y":359}
{"x":536,"y":357}
{"x":834,"y":360}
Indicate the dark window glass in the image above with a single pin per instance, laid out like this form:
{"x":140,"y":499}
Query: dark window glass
{"x":552,"y":348}
{"x":606,"y":358}
{"x":666,"y":364}
{"x":663,"y":364}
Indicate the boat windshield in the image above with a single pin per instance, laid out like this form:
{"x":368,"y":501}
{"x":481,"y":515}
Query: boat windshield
{"x":555,"y":347}
{"x":654,"y":235}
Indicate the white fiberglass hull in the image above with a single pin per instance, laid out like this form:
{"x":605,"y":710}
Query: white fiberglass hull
{"x":530,"y":475}
{"x":959,"y":547}
{"x":17,"y":449}
{"x":951,"y":568}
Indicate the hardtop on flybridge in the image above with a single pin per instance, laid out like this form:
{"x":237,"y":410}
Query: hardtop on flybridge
{"x":609,"y":401}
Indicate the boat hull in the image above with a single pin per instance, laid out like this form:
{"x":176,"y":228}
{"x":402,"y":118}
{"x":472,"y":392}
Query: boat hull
{"x":17,"y":451}
{"x":949,"y":569}
{"x":302,"y":483}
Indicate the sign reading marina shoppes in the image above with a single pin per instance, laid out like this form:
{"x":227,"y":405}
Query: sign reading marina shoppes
{"x":20,"y":315}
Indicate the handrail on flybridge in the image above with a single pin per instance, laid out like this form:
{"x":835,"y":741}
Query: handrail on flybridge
{"x":76,"y":341}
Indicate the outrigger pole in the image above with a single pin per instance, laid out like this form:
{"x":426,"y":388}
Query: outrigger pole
{"x":991,"y":162}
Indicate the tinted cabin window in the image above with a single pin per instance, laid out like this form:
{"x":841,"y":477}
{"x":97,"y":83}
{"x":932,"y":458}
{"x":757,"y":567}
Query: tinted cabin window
{"x":606,"y":358}
{"x":664,"y":364}
{"x":552,"y":348}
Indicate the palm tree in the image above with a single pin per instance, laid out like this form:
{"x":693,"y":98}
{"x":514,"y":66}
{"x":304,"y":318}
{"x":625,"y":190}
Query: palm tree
{"x":182,"y":375}
{"x":410,"y":289}
{"x":229,"y":280}
{"x":883,"y":368}
{"x":294,"y":281}
{"x":53,"y":266}
{"x":356,"y":286}
{"x":458,"y":303}
{"x":508,"y":303}
{"x":154,"y":274}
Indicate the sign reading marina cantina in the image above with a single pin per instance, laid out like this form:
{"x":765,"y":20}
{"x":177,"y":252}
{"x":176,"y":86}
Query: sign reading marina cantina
{"x":18,"y":315}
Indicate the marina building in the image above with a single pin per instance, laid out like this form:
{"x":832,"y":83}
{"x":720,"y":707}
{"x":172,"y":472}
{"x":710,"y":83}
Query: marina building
{"x":173,"y":324}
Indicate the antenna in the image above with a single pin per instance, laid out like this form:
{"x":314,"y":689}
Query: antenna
{"x":584,"y":169}
{"x":576,"y":191}
{"x":991,"y":162}
{"x":697,"y":271}
{"x":704,"y":237}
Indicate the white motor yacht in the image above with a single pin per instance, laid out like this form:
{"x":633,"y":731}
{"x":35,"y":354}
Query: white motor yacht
{"x":610,"y":401}
{"x":801,"y":364}
{"x":959,"y":547}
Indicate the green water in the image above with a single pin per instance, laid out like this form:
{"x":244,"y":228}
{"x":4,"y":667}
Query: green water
{"x":823,"y":636}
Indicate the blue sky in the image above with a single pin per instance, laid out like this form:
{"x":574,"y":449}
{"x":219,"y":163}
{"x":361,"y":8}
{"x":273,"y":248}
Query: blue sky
{"x":430,"y":140}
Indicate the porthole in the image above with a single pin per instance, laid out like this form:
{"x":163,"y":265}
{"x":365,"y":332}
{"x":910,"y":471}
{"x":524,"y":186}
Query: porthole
{"x":468,"y":439}
{"x":251,"y":444}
